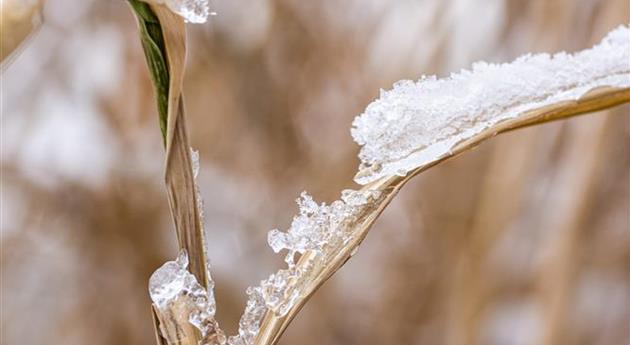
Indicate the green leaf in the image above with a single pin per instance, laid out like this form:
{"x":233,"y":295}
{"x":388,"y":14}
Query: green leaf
{"x":155,"y":54}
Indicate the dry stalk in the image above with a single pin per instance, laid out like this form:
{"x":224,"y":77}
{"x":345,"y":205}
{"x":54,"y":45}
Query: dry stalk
{"x":273,"y":326}
{"x":163,"y":34}
{"x":178,"y":176}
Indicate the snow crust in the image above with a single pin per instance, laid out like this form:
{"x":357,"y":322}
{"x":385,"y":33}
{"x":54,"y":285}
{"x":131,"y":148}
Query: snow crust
{"x":418,"y":122}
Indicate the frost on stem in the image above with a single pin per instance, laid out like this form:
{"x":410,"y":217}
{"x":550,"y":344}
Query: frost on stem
{"x":413,"y":124}
{"x":252,"y":317}
{"x":194,"y":157}
{"x":319,"y":227}
{"x":419,"y":122}
{"x":178,"y":297}
{"x":193,"y":11}
{"x":318,"y":232}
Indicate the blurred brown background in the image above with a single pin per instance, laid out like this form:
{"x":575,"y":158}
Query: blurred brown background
{"x":523,"y":241}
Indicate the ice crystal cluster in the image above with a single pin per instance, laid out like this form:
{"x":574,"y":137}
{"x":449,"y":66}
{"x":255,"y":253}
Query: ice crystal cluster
{"x":249,"y":324}
{"x":419,"y":122}
{"x":193,"y":11}
{"x":318,"y":232}
{"x":174,"y":290}
{"x":318,"y":227}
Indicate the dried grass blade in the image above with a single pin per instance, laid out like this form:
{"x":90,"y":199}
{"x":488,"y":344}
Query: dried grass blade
{"x":179,"y":177}
{"x":163,"y":36}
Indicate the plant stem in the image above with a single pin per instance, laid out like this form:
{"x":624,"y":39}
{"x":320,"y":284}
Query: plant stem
{"x":163,"y":37}
{"x":273,"y":326}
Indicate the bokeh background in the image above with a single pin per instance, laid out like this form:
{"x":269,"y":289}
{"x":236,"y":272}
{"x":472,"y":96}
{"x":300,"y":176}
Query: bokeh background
{"x":523,"y":241}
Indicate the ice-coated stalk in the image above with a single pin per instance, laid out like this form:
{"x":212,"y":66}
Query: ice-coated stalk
{"x":410,"y":128}
{"x":184,"y":308}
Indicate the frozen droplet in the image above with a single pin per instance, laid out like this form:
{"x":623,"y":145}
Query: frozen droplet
{"x":169,"y":280}
{"x":276,"y":240}
{"x":172,"y":283}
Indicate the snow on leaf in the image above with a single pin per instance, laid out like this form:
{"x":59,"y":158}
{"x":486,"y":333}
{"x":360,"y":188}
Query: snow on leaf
{"x":418,"y":122}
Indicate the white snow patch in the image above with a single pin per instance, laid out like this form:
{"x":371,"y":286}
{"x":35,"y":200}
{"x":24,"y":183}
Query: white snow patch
{"x":416,"y":123}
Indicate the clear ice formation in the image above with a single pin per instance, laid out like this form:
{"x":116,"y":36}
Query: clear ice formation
{"x":318,"y":226}
{"x":319,"y":229}
{"x":193,"y":11}
{"x":412,"y":124}
{"x":418,"y":122}
{"x":250,"y":321}
{"x":172,"y":284}
{"x":173,"y":289}
{"x":319,"y":232}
